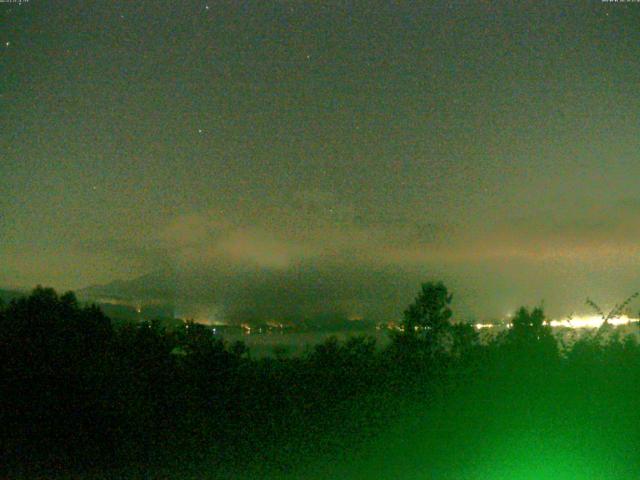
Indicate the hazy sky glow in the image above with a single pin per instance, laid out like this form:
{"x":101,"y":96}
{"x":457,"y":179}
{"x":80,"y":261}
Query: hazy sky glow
{"x":327,"y":152}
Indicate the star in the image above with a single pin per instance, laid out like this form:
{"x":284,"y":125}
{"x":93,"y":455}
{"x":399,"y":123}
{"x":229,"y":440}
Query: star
{"x":7,"y":43}
{"x":200,"y":131}
{"x":206,"y":7}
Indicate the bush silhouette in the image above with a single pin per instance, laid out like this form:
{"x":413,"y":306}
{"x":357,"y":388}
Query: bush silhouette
{"x":77,"y":392}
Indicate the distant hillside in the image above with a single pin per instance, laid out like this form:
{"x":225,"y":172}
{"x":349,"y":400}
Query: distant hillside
{"x":336,"y":297}
{"x":150,"y":298}
{"x":155,"y":286}
{"x":114,"y":300}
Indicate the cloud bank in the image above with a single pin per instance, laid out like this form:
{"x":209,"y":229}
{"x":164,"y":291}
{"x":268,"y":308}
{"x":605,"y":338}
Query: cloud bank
{"x":318,"y":256}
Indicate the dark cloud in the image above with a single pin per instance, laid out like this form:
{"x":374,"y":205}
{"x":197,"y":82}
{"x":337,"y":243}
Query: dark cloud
{"x":271,"y":157}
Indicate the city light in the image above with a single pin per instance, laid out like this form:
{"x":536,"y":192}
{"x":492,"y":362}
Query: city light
{"x":591,"y":321}
{"x":575,"y":322}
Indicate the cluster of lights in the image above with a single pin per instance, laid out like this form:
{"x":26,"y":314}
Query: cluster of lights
{"x":480,"y":326}
{"x":587,"y":321}
{"x":591,"y":321}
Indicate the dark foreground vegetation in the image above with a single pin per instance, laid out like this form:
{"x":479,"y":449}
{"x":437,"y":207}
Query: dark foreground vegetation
{"x":81,"y":399}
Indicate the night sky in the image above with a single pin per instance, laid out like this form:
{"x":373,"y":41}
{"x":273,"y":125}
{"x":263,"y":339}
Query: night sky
{"x":264,"y":156}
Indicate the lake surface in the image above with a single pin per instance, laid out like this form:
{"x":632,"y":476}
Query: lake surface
{"x":265,"y":344}
{"x":262,"y":345}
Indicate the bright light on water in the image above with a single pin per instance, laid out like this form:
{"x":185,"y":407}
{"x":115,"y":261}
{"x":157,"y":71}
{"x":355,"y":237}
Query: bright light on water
{"x":591,"y":321}
{"x":586,"y":321}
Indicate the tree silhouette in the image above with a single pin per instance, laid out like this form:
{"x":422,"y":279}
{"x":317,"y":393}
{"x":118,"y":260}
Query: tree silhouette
{"x":464,"y":339}
{"x":73,"y":390}
{"x":531,"y":336}
{"x":47,"y":333}
{"x":426,"y":328}
{"x":427,"y":319}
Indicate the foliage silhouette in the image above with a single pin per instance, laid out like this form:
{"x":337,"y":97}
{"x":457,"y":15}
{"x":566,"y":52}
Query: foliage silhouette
{"x":79,"y":394}
{"x":425,"y":334}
